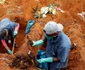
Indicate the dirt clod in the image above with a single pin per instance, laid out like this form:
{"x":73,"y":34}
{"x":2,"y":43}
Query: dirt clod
{"x":21,"y":62}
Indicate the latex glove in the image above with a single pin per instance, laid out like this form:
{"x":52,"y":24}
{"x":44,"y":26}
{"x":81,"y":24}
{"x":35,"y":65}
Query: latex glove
{"x":9,"y":51}
{"x":37,"y":43}
{"x":15,"y":33}
{"x":43,"y":60}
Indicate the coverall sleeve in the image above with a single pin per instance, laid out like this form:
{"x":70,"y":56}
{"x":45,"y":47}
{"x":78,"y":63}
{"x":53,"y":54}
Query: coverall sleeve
{"x":5,"y":44}
{"x":63,"y":52}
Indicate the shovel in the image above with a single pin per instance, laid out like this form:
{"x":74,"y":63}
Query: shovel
{"x":13,"y":46}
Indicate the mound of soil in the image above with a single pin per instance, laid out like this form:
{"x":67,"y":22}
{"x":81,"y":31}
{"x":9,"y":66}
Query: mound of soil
{"x":21,"y":62}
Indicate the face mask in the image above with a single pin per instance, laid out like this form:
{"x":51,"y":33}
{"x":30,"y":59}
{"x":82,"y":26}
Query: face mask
{"x":49,"y":37}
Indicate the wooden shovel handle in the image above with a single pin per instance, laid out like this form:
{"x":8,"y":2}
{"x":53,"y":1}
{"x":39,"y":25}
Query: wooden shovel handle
{"x":13,"y":47}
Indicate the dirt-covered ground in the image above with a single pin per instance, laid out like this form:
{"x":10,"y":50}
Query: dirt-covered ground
{"x":22,"y":11}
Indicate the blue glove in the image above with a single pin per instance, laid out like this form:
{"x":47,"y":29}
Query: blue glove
{"x":37,"y":43}
{"x":15,"y":33}
{"x":9,"y":51}
{"x":43,"y":60}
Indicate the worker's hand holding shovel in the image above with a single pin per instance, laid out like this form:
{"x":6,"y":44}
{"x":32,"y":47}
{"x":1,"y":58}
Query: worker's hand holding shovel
{"x":15,"y":33}
{"x":9,"y":51}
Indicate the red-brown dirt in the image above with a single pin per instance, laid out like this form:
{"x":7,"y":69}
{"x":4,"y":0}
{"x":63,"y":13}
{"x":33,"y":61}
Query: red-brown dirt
{"x":22,"y":11}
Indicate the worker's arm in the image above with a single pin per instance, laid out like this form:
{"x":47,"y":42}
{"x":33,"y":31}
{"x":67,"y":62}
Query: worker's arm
{"x":16,"y":30}
{"x":63,"y":53}
{"x":5,"y":45}
{"x":49,"y":59}
{"x":17,"y":27}
{"x":39,"y":42}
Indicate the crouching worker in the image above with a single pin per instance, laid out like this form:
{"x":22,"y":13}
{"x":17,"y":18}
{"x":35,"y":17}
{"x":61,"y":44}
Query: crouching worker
{"x":58,"y":46}
{"x":8,"y":29}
